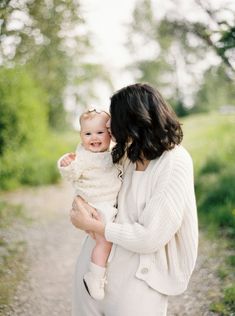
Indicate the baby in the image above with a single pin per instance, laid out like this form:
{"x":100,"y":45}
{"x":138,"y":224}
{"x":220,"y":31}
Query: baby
{"x":97,"y":180}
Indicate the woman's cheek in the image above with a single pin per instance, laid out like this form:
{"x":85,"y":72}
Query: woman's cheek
{"x":112,"y":143}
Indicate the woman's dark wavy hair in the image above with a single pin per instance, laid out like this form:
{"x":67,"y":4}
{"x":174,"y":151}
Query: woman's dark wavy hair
{"x":142,"y":123}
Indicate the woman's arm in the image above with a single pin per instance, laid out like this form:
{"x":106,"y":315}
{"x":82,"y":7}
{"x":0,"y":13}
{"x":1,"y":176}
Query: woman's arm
{"x":146,"y":238}
{"x":153,"y":234}
{"x":162,"y":216}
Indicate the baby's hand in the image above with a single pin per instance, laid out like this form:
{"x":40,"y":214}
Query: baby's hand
{"x":66,"y":161}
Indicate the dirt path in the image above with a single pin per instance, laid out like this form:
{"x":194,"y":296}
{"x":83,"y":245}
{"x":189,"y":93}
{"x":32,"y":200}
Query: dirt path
{"x":53,"y":245}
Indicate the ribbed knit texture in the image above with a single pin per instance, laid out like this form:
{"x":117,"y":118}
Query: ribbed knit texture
{"x":166,"y":232}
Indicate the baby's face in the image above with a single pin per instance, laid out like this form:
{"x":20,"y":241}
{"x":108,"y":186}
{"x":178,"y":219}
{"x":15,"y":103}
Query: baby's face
{"x":94,"y":134}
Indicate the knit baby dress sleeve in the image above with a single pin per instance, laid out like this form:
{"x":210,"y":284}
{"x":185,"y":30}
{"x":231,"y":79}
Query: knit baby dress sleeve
{"x":73,"y":171}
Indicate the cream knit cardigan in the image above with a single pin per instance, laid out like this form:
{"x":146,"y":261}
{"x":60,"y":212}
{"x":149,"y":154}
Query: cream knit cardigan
{"x":166,"y":233}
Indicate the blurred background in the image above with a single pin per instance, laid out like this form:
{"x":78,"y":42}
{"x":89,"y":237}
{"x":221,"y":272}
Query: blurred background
{"x":58,"y":57}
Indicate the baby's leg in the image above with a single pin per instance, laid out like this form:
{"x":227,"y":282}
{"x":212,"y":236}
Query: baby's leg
{"x":95,"y":278}
{"x":101,"y":251}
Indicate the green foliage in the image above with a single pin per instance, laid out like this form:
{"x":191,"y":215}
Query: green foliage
{"x":174,"y":45}
{"x":28,"y":150}
{"x":12,"y":253}
{"x":222,"y":273}
{"x":226,"y":306}
{"x":9,"y":213}
{"x":23,"y":122}
{"x":201,"y":32}
{"x":209,"y":139}
{"x":216,"y":90}
{"x":212,"y":165}
{"x":168,"y":47}
{"x":12,"y":256}
{"x":231,"y":260}
{"x":178,"y":105}
{"x":52,"y":41}
{"x":215,"y":187}
{"x":40,"y":166}
{"x":227,"y":40}
{"x":42,"y":45}
{"x":22,"y":107}
{"x":229,"y":297}
{"x":36,"y":163}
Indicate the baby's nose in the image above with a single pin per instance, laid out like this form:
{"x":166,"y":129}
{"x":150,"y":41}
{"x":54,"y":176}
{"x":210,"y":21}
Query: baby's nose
{"x":94,"y":137}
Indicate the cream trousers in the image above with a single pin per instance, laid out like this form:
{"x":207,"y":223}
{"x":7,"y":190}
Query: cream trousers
{"x":125,"y":294}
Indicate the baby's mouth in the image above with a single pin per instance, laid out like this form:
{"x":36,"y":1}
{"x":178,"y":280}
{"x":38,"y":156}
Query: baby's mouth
{"x":96,"y":144}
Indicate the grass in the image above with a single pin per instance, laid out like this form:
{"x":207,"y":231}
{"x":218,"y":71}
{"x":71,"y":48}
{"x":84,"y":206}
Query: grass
{"x":11,"y":272}
{"x":210,"y":140}
{"x":12,"y":252}
{"x":210,"y":137}
{"x":226,"y":306}
{"x":9,"y":213}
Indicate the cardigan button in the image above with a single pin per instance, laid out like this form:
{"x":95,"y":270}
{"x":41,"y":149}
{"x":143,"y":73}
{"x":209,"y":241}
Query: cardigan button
{"x":144,"y":270}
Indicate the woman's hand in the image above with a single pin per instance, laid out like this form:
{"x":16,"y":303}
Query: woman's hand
{"x":85,"y":217}
{"x":81,"y":214}
{"x":80,"y":204}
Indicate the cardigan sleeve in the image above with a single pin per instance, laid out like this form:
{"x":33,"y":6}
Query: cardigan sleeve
{"x":162,"y":216}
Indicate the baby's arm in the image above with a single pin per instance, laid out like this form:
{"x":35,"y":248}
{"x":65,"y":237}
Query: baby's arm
{"x":67,"y":159}
{"x":68,"y":167}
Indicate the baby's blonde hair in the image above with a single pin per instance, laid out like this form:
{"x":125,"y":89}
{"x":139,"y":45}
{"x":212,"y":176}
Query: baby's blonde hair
{"x":90,"y":114}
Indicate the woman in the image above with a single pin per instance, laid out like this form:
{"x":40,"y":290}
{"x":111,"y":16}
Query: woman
{"x":155,"y":234}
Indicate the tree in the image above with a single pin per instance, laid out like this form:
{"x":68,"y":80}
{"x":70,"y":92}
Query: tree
{"x":162,"y":49}
{"x":224,"y":42}
{"x":52,"y":39}
{"x":171,"y":49}
{"x":215,"y":91}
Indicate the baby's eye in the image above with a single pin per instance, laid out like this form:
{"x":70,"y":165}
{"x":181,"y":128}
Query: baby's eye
{"x":100,"y":132}
{"x":87,"y":134}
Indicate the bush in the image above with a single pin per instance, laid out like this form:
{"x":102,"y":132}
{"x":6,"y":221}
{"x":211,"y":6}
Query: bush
{"x":23,"y":122}
{"x":36,"y":164}
{"x":209,"y":139}
{"x":216,"y":197}
{"x":28,"y":149}
{"x":23,"y":112}
{"x":212,"y":165}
